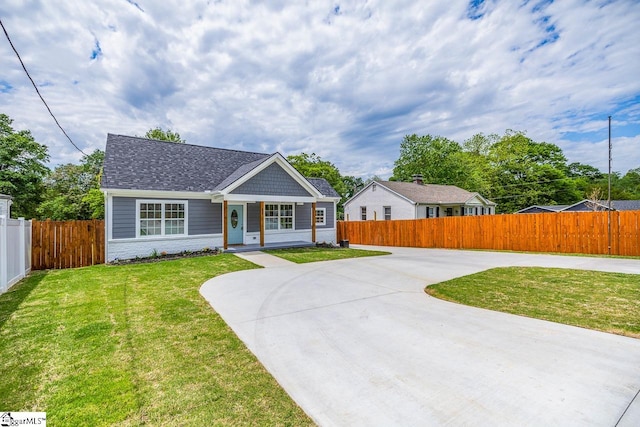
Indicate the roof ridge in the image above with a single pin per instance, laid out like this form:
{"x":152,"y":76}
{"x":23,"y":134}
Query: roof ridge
{"x":192,"y":145}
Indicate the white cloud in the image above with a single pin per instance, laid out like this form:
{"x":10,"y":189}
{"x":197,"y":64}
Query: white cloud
{"x":346,"y":80}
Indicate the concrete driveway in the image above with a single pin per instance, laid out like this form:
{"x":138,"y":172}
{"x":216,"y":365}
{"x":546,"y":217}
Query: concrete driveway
{"x":358,"y":342}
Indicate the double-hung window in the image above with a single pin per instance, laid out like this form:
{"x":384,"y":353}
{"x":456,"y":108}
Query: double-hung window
{"x":363,"y":213}
{"x":387,"y":213}
{"x":321,"y":216}
{"x":278,"y":216}
{"x":161,"y":218}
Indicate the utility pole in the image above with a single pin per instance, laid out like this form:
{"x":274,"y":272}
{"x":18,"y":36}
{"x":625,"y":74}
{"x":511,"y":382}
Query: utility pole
{"x":609,"y":192}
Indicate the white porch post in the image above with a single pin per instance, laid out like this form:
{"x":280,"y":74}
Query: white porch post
{"x":4,"y":276}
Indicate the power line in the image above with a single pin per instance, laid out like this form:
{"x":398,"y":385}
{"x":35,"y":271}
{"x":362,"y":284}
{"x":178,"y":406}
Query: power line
{"x":36,"y":88}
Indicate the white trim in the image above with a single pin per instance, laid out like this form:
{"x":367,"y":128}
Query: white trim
{"x":324,"y":216}
{"x":483,"y":200}
{"x":281,"y":230}
{"x":163,"y":218}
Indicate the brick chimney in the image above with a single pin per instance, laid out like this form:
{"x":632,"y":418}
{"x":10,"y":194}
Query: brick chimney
{"x":417,"y":179}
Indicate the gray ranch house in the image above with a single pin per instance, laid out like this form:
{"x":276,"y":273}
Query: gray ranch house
{"x":170,"y":197}
{"x":386,"y":200}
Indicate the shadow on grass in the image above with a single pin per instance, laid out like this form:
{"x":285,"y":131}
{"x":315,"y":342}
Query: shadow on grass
{"x":11,"y":300}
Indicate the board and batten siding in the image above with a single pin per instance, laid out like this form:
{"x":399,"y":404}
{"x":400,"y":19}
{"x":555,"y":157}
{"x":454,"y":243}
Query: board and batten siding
{"x":375,"y":201}
{"x":204,"y":217}
{"x":272,"y":181}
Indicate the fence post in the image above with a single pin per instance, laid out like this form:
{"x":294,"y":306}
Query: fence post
{"x":4,"y":274}
{"x":22,"y":248}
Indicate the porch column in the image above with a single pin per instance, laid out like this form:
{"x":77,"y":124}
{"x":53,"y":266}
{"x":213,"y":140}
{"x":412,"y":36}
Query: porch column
{"x":225,"y":239}
{"x":261,"y":224}
{"x":313,"y":222}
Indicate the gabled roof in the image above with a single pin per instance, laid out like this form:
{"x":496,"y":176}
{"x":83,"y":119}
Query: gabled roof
{"x":144,"y":164}
{"x":585,"y":205}
{"x":431,"y":193}
{"x":548,"y":208}
{"x":323,"y":186}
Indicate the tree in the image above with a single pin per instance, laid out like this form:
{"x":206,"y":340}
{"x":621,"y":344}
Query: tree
{"x":437,"y":159}
{"x":352,"y":185}
{"x":630,"y":184}
{"x":73,"y":190}
{"x":525,"y":172}
{"x":164,"y":135}
{"x":312,"y":166}
{"x":22,"y":168}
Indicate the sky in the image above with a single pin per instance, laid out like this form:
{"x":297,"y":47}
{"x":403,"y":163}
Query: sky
{"x":346,"y":80}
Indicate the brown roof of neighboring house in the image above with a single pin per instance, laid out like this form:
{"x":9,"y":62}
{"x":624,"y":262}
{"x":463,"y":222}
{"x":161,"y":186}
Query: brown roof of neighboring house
{"x":429,"y":193}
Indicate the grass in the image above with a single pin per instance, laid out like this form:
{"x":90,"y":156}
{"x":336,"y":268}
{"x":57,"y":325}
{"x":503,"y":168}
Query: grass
{"x":132,"y":345}
{"x":608,"y":302}
{"x":313,"y":254}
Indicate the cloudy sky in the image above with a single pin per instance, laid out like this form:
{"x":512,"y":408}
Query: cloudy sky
{"x":344,"y":79}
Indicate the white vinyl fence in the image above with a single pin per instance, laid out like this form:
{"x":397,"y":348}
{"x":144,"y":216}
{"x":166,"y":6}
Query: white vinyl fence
{"x":15,"y":251}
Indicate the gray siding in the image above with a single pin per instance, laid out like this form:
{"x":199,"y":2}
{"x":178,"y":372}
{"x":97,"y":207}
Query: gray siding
{"x":329,"y":214}
{"x":272,"y":181}
{"x":253,"y":217}
{"x":303,"y":217}
{"x":204,"y":217}
{"x":124,"y":218}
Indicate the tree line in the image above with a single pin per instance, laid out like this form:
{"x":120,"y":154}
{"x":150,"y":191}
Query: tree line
{"x":512,"y":170}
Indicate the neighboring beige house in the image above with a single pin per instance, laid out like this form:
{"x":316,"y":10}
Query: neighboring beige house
{"x":385,"y":200}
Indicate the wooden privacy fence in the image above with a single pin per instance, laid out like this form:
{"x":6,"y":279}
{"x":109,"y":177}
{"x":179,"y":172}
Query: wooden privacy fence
{"x":66,"y":244}
{"x":566,"y":232}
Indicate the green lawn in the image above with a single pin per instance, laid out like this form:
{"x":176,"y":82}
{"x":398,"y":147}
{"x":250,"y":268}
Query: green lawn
{"x":131,"y":345}
{"x":608,"y":302}
{"x":313,"y":254}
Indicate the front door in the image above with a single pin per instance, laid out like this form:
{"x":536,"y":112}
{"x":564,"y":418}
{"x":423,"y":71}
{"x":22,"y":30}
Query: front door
{"x":235,"y":224}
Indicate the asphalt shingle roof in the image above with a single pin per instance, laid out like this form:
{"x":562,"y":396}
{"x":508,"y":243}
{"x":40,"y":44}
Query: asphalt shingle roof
{"x":323,"y":186}
{"x":135,"y":163}
{"x":625,"y":205}
{"x":145,"y":164}
{"x":429,"y":193}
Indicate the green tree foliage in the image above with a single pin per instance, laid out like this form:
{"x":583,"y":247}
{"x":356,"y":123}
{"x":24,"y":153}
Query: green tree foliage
{"x":525,"y":173}
{"x":22,"y":168}
{"x":164,"y":135}
{"x":73,"y":190}
{"x":630,"y":183}
{"x":439,"y":160}
{"x":312,"y":166}
{"x":352,"y":185}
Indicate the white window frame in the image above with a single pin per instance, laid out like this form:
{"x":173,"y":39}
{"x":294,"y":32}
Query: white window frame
{"x":384,"y":210}
{"x":279,"y":217}
{"x":324,"y":216}
{"x":363,"y":210}
{"x":163,"y":218}
{"x":431,"y":212}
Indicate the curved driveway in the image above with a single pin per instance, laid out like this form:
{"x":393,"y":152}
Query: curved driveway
{"x":358,"y":342}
